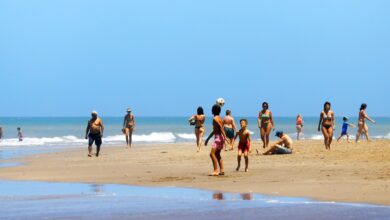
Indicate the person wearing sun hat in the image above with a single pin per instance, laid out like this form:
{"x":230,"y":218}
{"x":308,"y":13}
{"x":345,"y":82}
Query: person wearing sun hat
{"x":94,"y":133}
{"x":283,"y":146}
{"x":128,"y":127}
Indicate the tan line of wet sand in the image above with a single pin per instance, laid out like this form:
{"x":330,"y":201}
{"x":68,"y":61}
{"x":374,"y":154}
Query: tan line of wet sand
{"x":349,"y":172}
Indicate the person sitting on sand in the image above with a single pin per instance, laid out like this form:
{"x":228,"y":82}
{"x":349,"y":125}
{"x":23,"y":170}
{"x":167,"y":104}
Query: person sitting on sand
{"x":94,"y":133}
{"x":244,"y":145}
{"x":283,"y":146}
{"x":265,"y":122}
{"x":363,"y":128}
{"x":198,"y":120}
{"x":230,"y":128}
{"x":128,"y":127}
{"x":219,"y":141}
{"x":344,"y":129}
{"x":20,"y":134}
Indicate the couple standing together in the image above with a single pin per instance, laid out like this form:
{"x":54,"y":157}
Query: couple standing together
{"x":95,"y":129}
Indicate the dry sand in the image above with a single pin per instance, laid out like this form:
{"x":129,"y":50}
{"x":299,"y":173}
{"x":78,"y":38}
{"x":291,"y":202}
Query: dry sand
{"x":349,"y":172}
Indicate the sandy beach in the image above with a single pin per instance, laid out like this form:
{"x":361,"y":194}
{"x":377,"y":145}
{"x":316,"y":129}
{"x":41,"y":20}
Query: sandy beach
{"x":348,"y":173}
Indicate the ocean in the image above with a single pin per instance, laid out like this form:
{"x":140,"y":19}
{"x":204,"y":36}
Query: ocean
{"x":70,"y":131}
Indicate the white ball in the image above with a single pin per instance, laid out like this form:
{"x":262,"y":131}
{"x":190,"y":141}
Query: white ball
{"x":221,"y":102}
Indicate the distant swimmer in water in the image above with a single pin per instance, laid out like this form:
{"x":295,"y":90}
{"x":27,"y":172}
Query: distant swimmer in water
{"x":198,"y":121}
{"x":20,"y":134}
{"x":230,"y":129}
{"x":128,"y":127}
{"x":327,"y":124}
{"x":299,"y":125}
{"x":265,"y":122}
{"x":344,"y":129}
{"x":1,"y":132}
{"x":94,"y":133}
{"x":362,"y":126}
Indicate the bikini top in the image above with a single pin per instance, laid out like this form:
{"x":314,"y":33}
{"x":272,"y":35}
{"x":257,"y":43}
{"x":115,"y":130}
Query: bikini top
{"x":326,"y":116}
{"x":265,"y":116}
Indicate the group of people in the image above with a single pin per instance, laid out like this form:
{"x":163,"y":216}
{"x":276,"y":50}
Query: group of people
{"x":225,"y":133}
{"x":19,"y":133}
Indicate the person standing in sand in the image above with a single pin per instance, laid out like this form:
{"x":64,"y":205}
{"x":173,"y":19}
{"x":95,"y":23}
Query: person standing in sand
{"x":244,"y":145}
{"x":198,"y":120}
{"x":299,"y":125}
{"x":230,"y":128}
{"x":283,"y":146}
{"x":327,"y":124}
{"x":128,"y":127}
{"x":219,"y":141}
{"x":94,"y":133}
{"x":265,"y":122}
{"x":344,"y":129}
{"x":362,"y":126}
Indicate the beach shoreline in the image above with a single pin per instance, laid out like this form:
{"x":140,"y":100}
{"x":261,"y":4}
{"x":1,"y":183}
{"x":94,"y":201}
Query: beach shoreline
{"x":350,"y":172}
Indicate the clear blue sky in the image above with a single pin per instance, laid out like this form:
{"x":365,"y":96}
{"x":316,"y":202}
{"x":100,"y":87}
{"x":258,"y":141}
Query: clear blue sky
{"x":165,"y":58}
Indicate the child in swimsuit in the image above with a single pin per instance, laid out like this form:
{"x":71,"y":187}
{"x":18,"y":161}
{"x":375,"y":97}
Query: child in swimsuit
{"x":244,"y":146}
{"x":345,"y":128}
{"x":219,"y":141}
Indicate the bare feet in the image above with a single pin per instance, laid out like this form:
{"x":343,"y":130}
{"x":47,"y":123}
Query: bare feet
{"x":89,"y":155}
{"x":238,"y":168}
{"x":214,"y":174}
{"x":221,"y":173}
{"x":246,"y":170}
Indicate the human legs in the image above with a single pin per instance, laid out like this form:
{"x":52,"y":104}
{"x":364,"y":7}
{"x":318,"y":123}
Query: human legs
{"x":197,"y":134}
{"x":262,"y":135}
{"x":246,"y":160}
{"x":268,"y":131}
{"x":220,"y":161}
{"x":238,"y":159}
{"x":326,"y":137}
{"x":214,"y":160}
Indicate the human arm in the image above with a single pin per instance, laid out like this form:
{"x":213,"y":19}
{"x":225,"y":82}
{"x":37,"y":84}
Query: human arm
{"x":208,"y":138}
{"x":87,"y":130}
{"x":319,"y":123}
{"x":101,"y":128}
{"x":259,"y":120}
{"x":333,"y":121}
{"x":124,"y":122}
{"x":368,"y":118}
{"x":352,"y":125}
{"x":271,"y":120}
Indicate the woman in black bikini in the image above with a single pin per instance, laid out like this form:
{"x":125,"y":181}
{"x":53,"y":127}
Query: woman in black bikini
{"x":199,"y":119}
{"x":327,"y":121}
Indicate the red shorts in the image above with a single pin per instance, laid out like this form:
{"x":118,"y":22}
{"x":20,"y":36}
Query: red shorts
{"x":244,"y":146}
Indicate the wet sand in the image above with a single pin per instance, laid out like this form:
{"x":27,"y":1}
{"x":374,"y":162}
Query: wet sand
{"x":348,"y":173}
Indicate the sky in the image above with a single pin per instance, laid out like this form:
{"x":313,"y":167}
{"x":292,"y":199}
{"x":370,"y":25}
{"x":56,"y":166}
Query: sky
{"x":166,"y":58}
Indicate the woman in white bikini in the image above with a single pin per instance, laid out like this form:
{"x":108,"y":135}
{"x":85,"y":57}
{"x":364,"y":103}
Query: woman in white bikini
{"x":362,"y":126}
{"x":328,"y":123}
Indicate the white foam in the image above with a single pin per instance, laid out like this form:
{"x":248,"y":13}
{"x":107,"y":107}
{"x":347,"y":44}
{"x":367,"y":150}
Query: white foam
{"x":158,"y":137}
{"x":186,"y":136}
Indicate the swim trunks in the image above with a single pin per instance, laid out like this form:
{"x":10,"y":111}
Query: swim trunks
{"x":282,"y":150}
{"x":97,"y":138}
{"x":229,"y":132}
{"x":219,"y":141}
{"x":244,"y":146}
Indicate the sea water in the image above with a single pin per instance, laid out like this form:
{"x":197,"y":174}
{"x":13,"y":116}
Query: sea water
{"x":70,"y":131}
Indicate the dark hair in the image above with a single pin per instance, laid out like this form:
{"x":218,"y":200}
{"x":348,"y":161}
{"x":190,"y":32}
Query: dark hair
{"x":363,"y":106}
{"x":18,"y":128}
{"x":200,"y":111}
{"x":265,"y":103}
{"x":216,"y":110}
{"x":228,"y":112}
{"x":345,"y":119}
{"x":243,"y":119}
{"x":327,"y":103}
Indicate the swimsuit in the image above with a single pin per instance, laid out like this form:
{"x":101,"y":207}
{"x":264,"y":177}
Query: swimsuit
{"x":128,"y":120}
{"x":229,"y":132}
{"x":326,"y":117}
{"x":219,"y":141}
{"x":244,"y":146}
{"x":264,"y":116}
{"x":344,"y":129}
